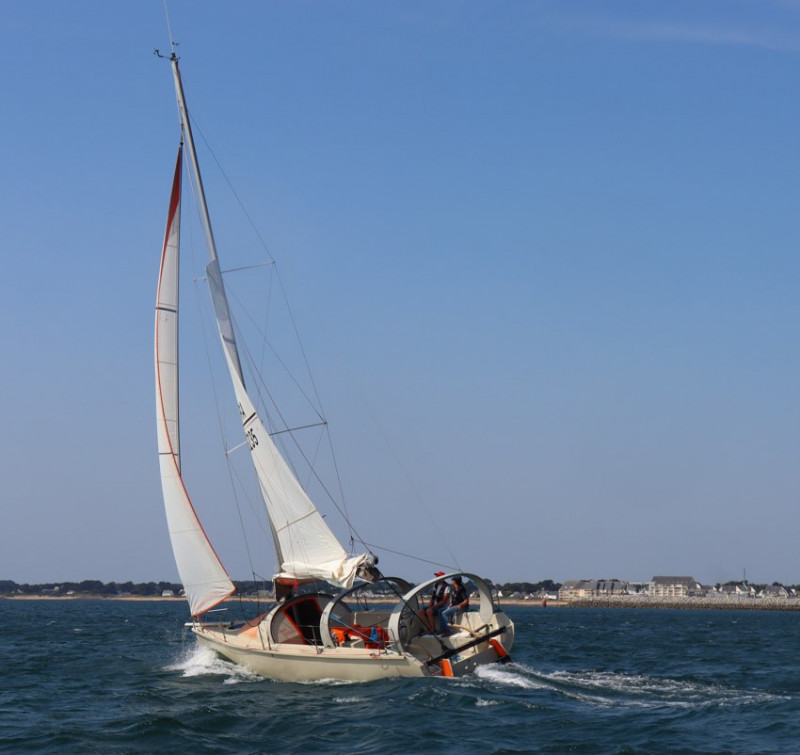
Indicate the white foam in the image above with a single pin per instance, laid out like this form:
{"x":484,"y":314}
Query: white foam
{"x":611,"y":689}
{"x":509,"y":676}
{"x":329,"y":682}
{"x":201,"y":661}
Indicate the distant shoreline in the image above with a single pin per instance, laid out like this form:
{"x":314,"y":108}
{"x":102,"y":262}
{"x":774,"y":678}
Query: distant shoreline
{"x":685,"y":604}
{"x":632,"y":602}
{"x":147,"y":598}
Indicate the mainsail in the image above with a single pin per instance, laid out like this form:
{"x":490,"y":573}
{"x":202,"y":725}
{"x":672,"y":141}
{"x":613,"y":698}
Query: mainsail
{"x":204,"y":578}
{"x":305,"y":546}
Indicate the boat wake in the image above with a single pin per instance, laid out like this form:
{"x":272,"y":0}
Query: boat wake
{"x":328,"y":682}
{"x":609,"y":689}
{"x":201,"y":661}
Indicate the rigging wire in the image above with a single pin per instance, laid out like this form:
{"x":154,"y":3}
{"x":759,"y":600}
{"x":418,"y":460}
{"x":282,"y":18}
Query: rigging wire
{"x":233,"y":191}
{"x":312,"y":469}
{"x":342,"y":509}
{"x":263,"y":389}
{"x":420,"y":500}
{"x":172,"y":43}
{"x":451,"y":567}
{"x":267,"y":345}
{"x":214,"y":391}
{"x":319,"y":401}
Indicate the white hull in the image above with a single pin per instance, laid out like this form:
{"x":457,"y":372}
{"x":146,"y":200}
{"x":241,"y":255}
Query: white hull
{"x":290,"y":662}
{"x":306,"y":663}
{"x":314,"y":636}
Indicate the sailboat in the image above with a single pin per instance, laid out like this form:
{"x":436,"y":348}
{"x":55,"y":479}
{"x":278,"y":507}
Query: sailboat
{"x":335,"y":615}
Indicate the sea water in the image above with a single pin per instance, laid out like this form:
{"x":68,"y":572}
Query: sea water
{"x":90,"y":676}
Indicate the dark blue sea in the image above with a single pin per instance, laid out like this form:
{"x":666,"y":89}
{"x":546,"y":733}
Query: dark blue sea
{"x":124,"y":677}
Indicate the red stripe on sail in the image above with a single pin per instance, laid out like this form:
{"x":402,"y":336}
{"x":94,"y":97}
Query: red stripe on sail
{"x":174,"y":204}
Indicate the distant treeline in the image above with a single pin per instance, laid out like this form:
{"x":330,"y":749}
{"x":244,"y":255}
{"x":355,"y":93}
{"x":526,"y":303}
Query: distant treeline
{"x":244,"y":587}
{"x":95,"y":587}
{"x":530,"y":588}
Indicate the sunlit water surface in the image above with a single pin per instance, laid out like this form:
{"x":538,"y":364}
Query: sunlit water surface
{"x":125,"y":677}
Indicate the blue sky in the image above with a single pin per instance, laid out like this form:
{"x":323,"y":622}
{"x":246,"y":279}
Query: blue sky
{"x":553,"y":246}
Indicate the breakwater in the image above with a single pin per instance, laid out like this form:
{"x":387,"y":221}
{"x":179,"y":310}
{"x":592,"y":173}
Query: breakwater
{"x":688,"y":603}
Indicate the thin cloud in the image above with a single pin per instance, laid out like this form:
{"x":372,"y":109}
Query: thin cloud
{"x":685,"y":33}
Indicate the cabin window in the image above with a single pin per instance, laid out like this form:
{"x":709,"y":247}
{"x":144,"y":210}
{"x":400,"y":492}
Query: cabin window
{"x":299,"y":622}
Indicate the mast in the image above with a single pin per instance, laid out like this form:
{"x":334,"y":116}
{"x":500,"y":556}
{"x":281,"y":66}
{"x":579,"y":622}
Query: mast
{"x":186,"y":128}
{"x":305,"y":546}
{"x":215,"y":275}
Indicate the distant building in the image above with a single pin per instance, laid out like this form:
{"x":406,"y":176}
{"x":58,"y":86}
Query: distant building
{"x":571,"y":588}
{"x":676,"y":587}
{"x":737,"y":590}
{"x":591,"y":588}
{"x":774,"y":591}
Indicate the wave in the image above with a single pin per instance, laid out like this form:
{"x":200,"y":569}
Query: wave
{"x":197,"y":660}
{"x":350,"y":700}
{"x":609,"y":689}
{"x":201,"y":661}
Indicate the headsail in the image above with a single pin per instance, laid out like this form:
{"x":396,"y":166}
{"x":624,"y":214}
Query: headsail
{"x":203,"y":576}
{"x":306,"y":547}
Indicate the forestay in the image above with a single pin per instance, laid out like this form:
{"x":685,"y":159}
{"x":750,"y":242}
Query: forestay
{"x":306,"y":547}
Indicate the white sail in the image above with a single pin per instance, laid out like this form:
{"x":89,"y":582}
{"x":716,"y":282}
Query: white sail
{"x":305,"y":545}
{"x":307,"y":634}
{"x":204,"y":578}
{"x":306,"y":548}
